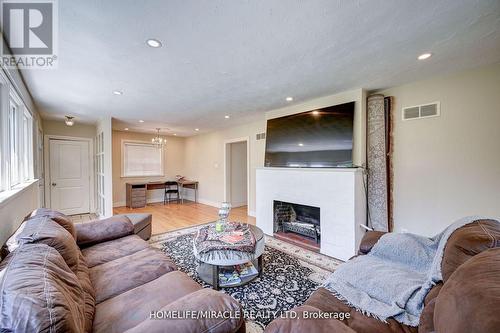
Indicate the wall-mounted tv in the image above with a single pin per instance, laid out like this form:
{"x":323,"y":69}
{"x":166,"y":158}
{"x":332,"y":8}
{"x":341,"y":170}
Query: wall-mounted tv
{"x":320,"y":138}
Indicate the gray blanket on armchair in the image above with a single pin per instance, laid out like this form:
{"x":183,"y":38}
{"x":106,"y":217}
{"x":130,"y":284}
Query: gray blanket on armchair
{"x":393,"y":279}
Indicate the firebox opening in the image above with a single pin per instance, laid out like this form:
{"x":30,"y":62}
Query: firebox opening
{"x":297,"y":222}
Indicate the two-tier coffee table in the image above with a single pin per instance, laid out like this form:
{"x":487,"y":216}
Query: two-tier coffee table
{"x":208,"y":268}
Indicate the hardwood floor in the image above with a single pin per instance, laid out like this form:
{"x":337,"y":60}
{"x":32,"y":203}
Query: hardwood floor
{"x":176,"y":216}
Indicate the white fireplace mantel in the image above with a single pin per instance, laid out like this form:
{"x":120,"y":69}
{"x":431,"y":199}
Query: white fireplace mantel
{"x":339,"y":193}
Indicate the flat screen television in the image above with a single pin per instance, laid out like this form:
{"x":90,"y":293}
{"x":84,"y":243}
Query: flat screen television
{"x":320,"y":138}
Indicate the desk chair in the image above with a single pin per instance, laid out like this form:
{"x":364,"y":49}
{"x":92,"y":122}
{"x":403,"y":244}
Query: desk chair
{"x":171,"y":188}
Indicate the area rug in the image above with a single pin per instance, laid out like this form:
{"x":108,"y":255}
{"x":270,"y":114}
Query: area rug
{"x":290,"y":275}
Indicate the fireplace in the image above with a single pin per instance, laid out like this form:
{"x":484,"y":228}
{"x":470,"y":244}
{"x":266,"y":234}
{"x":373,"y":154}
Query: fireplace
{"x":297,"y":223}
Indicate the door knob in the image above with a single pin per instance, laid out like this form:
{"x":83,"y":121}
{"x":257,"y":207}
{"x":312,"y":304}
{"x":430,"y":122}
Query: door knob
{"x":54,"y":184}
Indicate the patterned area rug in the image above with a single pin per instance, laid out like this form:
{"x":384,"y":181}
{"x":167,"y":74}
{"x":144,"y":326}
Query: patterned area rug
{"x":290,"y":275}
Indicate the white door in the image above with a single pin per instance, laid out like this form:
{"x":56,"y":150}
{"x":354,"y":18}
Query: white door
{"x":69,"y":176}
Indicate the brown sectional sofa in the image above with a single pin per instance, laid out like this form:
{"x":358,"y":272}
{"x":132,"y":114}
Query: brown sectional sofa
{"x":99,"y":277}
{"x":467,"y":301}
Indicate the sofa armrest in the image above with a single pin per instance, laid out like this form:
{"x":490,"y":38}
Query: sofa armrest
{"x":303,"y":321}
{"x":198,"y":303}
{"x":369,"y":240}
{"x":99,"y":231}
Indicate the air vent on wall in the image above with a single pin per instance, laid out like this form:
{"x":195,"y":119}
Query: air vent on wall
{"x":260,"y":136}
{"x":421,"y":111}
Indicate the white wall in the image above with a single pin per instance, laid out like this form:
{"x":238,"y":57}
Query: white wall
{"x":449,"y":166}
{"x":58,"y":127}
{"x":173,"y":165}
{"x":238,"y":173}
{"x":204,"y":160}
{"x":14,"y":209}
{"x":205,"y":153}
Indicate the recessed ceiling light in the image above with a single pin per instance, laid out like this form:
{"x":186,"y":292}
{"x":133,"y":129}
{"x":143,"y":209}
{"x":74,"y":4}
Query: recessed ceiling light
{"x":289,"y":99}
{"x":315,"y":112}
{"x":118,"y":92}
{"x":301,"y":145}
{"x":126,"y":128}
{"x":154,"y":43}
{"x":175,"y":134}
{"x":226,"y":116}
{"x":141,"y":121}
{"x":196,"y":129}
{"x":424,"y":56}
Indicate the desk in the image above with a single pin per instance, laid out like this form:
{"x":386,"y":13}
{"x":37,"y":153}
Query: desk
{"x":136,"y":192}
{"x":192,"y":184}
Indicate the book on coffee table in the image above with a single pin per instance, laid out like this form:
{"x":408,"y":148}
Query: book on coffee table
{"x":228,"y":277}
{"x":246,"y":269}
{"x":232,"y":238}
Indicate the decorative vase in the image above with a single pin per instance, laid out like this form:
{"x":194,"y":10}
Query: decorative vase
{"x":224,"y":211}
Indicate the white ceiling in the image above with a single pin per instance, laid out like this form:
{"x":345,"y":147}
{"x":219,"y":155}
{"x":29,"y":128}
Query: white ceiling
{"x":242,"y":58}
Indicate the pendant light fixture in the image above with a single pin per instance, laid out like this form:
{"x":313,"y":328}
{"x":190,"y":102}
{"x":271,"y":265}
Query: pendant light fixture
{"x":69,"y":121}
{"x":158,"y":141}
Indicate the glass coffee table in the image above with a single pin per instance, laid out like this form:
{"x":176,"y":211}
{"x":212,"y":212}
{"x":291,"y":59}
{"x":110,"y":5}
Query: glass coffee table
{"x":209,"y":267}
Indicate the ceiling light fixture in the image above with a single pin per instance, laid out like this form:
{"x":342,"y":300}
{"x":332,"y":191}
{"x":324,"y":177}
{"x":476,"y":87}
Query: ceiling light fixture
{"x":154,"y":43}
{"x":301,"y":145}
{"x":196,"y":129}
{"x":289,"y":99}
{"x":158,"y":141}
{"x":117,"y":92}
{"x":141,"y":121}
{"x":226,"y":116}
{"x":126,"y":128}
{"x":175,"y":134}
{"x":69,"y":121}
{"x":315,"y":112}
{"x":424,"y":56}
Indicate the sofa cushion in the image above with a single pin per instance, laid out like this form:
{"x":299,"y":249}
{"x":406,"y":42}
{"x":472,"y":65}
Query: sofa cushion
{"x":470,"y":299}
{"x":45,"y":231}
{"x":99,"y":231}
{"x":130,"y":308}
{"x":467,"y":242}
{"x":58,"y":217}
{"x":12,"y":243}
{"x":206,"y":300}
{"x":426,"y":324}
{"x":111,"y":250}
{"x":125,"y":273}
{"x":323,"y":300}
{"x":301,"y":324}
{"x":38,"y":292}
{"x":142,"y":223}
{"x":83,"y":275}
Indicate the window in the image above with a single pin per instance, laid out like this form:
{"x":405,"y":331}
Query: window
{"x":16,"y":139}
{"x":14,"y":143}
{"x":140,"y":159}
{"x":27,"y":159}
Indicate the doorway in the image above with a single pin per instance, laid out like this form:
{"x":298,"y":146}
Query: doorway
{"x":236,"y":172}
{"x":68,"y":175}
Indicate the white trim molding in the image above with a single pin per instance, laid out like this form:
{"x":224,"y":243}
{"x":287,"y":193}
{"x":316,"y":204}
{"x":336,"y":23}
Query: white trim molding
{"x":226,"y":171}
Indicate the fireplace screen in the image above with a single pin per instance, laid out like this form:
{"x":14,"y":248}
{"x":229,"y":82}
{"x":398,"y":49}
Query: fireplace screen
{"x":299,"y":219}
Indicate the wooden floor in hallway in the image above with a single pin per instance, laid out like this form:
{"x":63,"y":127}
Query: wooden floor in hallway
{"x":174,"y":216}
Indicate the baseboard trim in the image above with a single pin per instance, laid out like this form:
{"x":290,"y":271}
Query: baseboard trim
{"x":208,"y":202}
{"x":190,"y":198}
